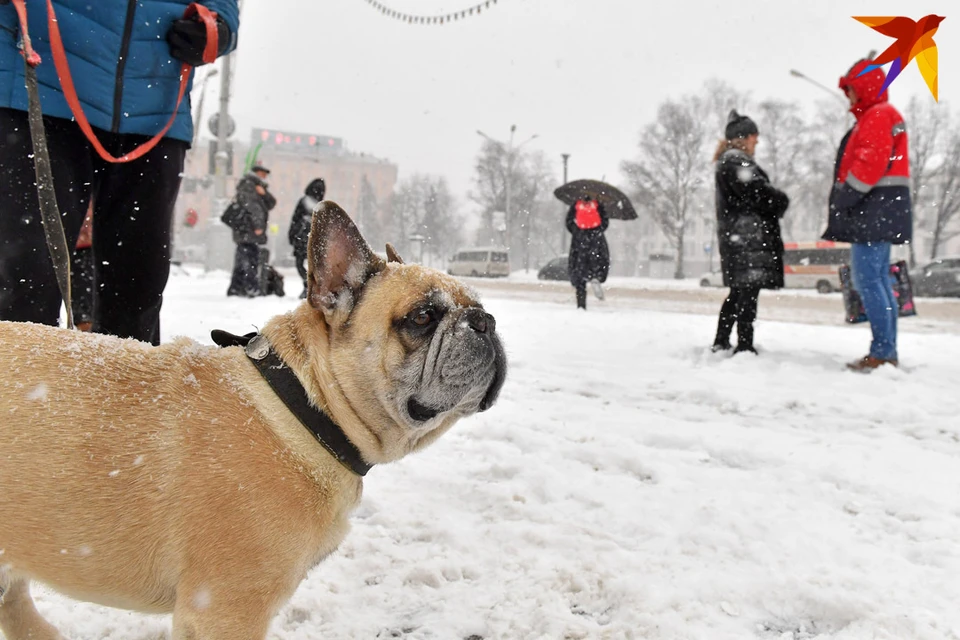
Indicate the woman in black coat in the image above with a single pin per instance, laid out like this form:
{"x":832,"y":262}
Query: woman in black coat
{"x":589,"y":255}
{"x":749,"y":209}
{"x":300,"y":226}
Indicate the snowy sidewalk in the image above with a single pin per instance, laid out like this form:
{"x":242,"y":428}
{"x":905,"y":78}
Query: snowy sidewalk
{"x":630,"y":484}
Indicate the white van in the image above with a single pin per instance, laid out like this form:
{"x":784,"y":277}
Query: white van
{"x":490,"y":262}
{"x":814,"y":265}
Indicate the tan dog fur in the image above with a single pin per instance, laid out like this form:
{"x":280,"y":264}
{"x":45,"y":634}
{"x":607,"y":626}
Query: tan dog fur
{"x":172,"y":479}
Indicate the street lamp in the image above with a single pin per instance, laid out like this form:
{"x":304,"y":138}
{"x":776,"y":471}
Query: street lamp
{"x":833,"y":93}
{"x":509,"y":149}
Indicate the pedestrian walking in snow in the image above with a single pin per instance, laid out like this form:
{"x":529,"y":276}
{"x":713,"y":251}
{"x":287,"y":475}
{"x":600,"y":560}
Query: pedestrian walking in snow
{"x":300,"y":226}
{"x":749,"y":209}
{"x":870,"y":204}
{"x":126,"y":60}
{"x":252,"y":206}
{"x":589,"y":260}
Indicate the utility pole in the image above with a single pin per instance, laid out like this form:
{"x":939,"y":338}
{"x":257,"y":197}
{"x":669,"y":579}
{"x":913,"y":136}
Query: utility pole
{"x":508,"y":184}
{"x":219,"y":237}
{"x":563,"y":235}
{"x":218,"y":248}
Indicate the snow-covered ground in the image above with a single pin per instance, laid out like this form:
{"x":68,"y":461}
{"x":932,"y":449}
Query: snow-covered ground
{"x":630,"y":484}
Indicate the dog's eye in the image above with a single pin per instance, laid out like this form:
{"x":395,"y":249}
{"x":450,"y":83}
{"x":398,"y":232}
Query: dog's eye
{"x":423,"y":317}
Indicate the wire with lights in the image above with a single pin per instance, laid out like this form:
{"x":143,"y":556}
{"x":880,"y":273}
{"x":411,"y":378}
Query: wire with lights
{"x":445,"y":18}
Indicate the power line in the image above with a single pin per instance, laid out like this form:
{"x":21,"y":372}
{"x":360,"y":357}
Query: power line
{"x":441,"y":19}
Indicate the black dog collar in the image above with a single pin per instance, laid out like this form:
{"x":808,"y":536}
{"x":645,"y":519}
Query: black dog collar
{"x":285,"y":384}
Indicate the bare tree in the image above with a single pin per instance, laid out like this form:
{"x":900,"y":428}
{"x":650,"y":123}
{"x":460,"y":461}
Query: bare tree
{"x":671,"y":169}
{"x":780,"y":153}
{"x":945,"y":196}
{"x":531,"y":176}
{"x":424,"y":207}
{"x":925,"y":124}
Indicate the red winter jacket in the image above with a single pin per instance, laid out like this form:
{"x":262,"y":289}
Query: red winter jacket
{"x":870,"y":200}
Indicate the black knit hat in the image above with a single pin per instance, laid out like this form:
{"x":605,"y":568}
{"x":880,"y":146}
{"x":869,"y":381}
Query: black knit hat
{"x":259,"y":167}
{"x":739,"y":126}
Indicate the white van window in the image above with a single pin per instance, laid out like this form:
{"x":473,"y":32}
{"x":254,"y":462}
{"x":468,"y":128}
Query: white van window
{"x":499,"y":256}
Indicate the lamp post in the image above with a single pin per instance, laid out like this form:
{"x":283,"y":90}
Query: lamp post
{"x":510,"y":150}
{"x":203,"y":94}
{"x":563,"y":236}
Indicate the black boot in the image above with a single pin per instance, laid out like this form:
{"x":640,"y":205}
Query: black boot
{"x":744,"y":338}
{"x":582,"y":296}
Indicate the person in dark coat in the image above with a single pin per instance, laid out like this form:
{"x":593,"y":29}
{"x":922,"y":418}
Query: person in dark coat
{"x":749,"y":209}
{"x":300,"y":226}
{"x":81,"y":275}
{"x":870,"y":204}
{"x":255,"y":202}
{"x":126,"y":60}
{"x":589,"y":259}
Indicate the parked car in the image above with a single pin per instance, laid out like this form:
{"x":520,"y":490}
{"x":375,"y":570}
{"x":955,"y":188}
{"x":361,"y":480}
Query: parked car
{"x":556,"y":269}
{"x":711,"y":279}
{"x":489,"y":262}
{"x":939,"y":278}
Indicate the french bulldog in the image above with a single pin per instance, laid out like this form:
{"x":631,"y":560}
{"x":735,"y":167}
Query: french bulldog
{"x":174,"y":479}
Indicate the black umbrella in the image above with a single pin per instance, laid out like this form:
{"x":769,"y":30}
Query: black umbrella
{"x":616,"y":204}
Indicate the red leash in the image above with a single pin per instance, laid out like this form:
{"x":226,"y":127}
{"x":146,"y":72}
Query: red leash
{"x":206,"y":16}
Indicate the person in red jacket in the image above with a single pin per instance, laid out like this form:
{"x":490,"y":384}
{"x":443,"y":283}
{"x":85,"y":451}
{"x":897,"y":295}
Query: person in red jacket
{"x":870,"y":204}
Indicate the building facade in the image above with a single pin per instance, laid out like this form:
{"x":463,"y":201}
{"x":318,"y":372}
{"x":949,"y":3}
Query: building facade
{"x":360,"y":183}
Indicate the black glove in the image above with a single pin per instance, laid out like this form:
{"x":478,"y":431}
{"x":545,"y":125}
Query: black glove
{"x":188,"y":38}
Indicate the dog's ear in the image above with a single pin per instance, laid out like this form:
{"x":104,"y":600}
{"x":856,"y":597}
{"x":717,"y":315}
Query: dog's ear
{"x":392,"y":255}
{"x":339,"y":261}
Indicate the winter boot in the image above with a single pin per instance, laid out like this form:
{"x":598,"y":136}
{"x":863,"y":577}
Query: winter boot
{"x":582,"y":296}
{"x":744,"y":338}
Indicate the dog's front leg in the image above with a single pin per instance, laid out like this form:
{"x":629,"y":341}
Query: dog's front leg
{"x":212,"y":613}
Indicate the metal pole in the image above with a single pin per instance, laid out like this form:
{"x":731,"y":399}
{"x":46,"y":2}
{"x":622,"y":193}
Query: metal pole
{"x":218,"y":236}
{"x":508,"y":187}
{"x":563,"y":236}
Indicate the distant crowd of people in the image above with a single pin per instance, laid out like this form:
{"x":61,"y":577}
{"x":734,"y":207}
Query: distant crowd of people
{"x":869,"y":207}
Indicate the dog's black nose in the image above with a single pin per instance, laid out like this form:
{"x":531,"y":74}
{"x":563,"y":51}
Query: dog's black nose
{"x":481,"y":321}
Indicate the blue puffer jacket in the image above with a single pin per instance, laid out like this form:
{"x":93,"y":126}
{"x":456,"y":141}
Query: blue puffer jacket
{"x":119,"y":58}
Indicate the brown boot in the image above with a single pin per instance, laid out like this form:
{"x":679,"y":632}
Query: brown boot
{"x":867,"y":364}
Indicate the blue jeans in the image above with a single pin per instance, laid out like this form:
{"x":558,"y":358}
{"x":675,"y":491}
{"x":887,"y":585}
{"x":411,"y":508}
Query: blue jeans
{"x":870,"y":266}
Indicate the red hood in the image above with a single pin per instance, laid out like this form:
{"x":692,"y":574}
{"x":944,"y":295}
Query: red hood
{"x":867,"y":87}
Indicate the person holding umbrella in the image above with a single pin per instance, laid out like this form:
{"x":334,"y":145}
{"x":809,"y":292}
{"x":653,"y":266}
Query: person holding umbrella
{"x":592,"y":205}
{"x":589,"y":254}
{"x":749,"y":209}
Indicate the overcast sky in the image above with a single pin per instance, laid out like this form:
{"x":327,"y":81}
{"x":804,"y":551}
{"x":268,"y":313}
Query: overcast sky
{"x":585,"y":75}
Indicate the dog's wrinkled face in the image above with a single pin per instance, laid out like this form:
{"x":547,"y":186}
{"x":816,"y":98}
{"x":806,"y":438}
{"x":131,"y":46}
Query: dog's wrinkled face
{"x":410,"y":346}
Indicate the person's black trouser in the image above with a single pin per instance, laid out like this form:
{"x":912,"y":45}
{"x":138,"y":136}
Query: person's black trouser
{"x":739,"y":308}
{"x":132,"y":223}
{"x":581,"y":295}
{"x":82,"y":285}
{"x":300,"y":257}
{"x":245,"y":280}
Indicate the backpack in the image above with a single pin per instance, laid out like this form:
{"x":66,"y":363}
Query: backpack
{"x":233,"y":216}
{"x":588,"y":214}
